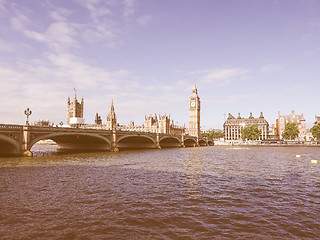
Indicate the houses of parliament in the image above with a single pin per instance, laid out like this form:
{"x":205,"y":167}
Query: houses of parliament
{"x":152,"y":123}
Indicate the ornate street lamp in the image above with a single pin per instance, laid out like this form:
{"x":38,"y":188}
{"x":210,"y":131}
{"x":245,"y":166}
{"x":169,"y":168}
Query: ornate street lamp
{"x":27,"y":112}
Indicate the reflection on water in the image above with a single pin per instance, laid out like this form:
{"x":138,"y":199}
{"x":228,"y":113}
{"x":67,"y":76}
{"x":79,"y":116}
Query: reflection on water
{"x":190,"y":193}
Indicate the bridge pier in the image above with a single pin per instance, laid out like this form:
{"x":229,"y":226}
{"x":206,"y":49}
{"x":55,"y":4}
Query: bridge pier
{"x":182,"y":141}
{"x":25,"y":148}
{"x":158,"y":141}
{"x":114,"y":141}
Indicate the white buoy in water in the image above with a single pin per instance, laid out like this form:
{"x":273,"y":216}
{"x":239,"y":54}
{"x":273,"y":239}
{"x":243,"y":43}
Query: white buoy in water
{"x":314,"y":161}
{"x":298,"y":156}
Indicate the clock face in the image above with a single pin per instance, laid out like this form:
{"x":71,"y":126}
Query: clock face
{"x":193,"y":104}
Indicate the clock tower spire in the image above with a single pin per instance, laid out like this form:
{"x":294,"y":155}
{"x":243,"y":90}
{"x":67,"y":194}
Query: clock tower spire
{"x":194,"y":113}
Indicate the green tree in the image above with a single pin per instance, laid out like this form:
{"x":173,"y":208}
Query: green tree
{"x":218,"y":134}
{"x":250,"y":132}
{"x":212,"y":134}
{"x":291,"y":131}
{"x":316,"y":131}
{"x":204,"y":134}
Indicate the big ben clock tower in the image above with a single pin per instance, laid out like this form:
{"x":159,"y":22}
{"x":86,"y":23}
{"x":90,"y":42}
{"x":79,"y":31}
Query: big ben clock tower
{"x":194,"y":113}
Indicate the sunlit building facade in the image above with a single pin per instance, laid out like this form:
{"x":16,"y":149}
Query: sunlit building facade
{"x":75,"y":111}
{"x":292,"y":118}
{"x":233,"y":126}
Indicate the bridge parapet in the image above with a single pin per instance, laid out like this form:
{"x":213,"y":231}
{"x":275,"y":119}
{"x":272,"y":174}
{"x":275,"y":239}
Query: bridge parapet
{"x":10,"y":127}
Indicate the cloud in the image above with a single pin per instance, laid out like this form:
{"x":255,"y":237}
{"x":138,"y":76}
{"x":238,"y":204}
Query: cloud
{"x":45,"y":85}
{"x":313,"y":52}
{"x":294,"y":88}
{"x":96,"y":8}
{"x":6,"y":47}
{"x":60,"y":14}
{"x":231,"y":99}
{"x":144,"y":20}
{"x":128,"y":7}
{"x":3,"y":9}
{"x":220,"y":77}
{"x":271,"y":68}
{"x":18,"y":22}
{"x":59,"y":36}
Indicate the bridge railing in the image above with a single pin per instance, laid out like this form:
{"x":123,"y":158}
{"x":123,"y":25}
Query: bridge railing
{"x":11,"y":126}
{"x":66,"y":129}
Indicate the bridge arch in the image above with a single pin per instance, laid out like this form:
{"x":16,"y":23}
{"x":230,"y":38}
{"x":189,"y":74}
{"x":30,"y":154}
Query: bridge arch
{"x":136,"y":141}
{"x":202,"y":142}
{"x":75,"y":141}
{"x":169,"y":141}
{"x":210,"y":142}
{"x":190,"y":142}
{"x":9,"y":146}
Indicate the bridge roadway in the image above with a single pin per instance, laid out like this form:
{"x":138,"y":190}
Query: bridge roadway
{"x":18,"y":139}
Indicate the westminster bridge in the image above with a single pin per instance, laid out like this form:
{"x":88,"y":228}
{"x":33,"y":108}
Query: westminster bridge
{"x":18,"y":139}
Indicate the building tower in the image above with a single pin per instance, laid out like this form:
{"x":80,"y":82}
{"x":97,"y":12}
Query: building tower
{"x":194,"y":113}
{"x":97,"y":120}
{"x":75,"y":111}
{"x":111,"y":118}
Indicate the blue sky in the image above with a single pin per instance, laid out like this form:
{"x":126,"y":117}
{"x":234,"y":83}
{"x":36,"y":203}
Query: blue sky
{"x":245,"y":56}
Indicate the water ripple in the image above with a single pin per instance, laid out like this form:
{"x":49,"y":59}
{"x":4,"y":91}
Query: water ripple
{"x":191,"y":193}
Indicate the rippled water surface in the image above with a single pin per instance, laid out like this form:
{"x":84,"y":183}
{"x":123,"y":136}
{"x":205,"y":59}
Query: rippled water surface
{"x":191,"y":193}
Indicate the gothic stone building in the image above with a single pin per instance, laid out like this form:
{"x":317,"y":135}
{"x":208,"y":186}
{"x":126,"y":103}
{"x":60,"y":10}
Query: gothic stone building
{"x":111,"y":122}
{"x":161,"y":124}
{"x":155,"y":124}
{"x":233,"y":126}
{"x":194,"y":113}
{"x":75,"y":111}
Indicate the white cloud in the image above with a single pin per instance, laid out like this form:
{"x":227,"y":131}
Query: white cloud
{"x":18,"y":22}
{"x":2,"y":6}
{"x":231,"y":99}
{"x":128,"y":7}
{"x":5,"y":46}
{"x":60,"y":14}
{"x":144,"y":20}
{"x":220,"y":77}
{"x":59,"y":36}
{"x":45,"y":85}
{"x":294,"y":88}
{"x":313,"y":52}
{"x":271,"y":68}
{"x":97,"y":8}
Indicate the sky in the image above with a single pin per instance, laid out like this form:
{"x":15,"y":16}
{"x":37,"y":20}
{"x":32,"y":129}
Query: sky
{"x":244,"y":56}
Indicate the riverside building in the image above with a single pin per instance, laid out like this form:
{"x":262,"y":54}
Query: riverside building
{"x":292,"y":118}
{"x":233,"y":126}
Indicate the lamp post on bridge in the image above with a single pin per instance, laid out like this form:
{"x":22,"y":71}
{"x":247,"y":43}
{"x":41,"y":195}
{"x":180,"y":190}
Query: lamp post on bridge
{"x":27,"y":112}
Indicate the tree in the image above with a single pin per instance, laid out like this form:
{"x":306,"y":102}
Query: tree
{"x":212,"y":134}
{"x":250,"y":132}
{"x":316,"y":131}
{"x":218,"y":134}
{"x":291,"y":131}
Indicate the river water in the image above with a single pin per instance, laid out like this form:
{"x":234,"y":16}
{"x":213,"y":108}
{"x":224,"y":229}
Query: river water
{"x":188,"y":193}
